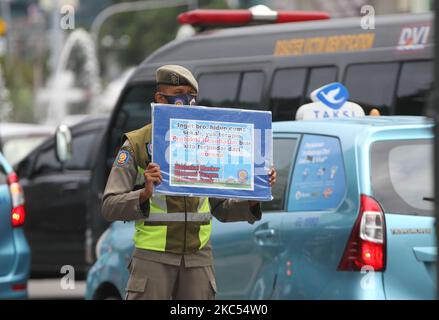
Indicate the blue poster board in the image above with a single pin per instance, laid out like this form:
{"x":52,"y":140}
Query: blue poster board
{"x":215,"y":152}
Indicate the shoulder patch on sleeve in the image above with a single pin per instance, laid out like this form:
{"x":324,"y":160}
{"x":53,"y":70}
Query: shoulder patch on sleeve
{"x":122,"y":158}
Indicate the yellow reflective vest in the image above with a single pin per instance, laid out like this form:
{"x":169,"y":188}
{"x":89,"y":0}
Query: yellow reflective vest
{"x":176,"y":224}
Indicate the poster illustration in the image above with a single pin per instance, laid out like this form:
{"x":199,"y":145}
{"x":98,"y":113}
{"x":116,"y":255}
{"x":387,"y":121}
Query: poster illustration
{"x":319,"y":181}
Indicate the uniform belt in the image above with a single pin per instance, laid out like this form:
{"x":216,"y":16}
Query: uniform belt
{"x":179,"y":217}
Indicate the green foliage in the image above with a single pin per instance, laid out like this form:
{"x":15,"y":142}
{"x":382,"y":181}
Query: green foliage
{"x":19,"y":80}
{"x":147,"y":31}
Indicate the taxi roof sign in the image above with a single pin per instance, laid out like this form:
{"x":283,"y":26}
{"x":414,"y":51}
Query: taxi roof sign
{"x":329,"y":101}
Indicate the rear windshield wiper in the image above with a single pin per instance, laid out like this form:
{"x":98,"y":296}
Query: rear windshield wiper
{"x":428,"y":199}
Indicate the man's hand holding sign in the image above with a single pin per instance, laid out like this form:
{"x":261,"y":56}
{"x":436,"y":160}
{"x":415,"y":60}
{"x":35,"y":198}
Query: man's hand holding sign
{"x":152,"y":177}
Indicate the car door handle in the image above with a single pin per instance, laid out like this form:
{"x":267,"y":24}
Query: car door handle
{"x":266,"y":237}
{"x":425,"y":254}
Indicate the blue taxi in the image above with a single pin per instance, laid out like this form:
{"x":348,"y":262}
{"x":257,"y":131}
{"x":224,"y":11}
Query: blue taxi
{"x":14,"y":248}
{"x":352,"y":218}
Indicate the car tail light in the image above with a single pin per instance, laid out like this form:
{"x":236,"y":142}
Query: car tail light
{"x":367,"y":243}
{"x":18,"y":212}
{"x":19,"y":287}
{"x":255,"y":14}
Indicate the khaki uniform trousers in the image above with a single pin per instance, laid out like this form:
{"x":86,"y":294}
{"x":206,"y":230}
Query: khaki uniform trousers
{"x":151,"y":280}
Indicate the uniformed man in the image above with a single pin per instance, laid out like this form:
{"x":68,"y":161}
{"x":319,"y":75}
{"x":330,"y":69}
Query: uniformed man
{"x":172,"y":256}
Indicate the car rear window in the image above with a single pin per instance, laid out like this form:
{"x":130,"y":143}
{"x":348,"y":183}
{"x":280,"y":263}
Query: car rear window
{"x":319,"y":181}
{"x":251,"y":90}
{"x":287,"y":93}
{"x":358,"y":81}
{"x":402,"y":176}
{"x":414,"y":87}
{"x":283,"y":153}
{"x":83,"y":145}
{"x":218,"y":89}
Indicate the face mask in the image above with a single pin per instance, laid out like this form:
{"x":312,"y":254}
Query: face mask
{"x":181,"y":99}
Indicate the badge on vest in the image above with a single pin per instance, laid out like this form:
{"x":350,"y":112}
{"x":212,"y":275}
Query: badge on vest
{"x":122,"y":158}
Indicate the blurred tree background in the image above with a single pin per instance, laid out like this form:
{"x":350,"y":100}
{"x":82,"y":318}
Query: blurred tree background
{"x":19,"y":81}
{"x":127,"y":39}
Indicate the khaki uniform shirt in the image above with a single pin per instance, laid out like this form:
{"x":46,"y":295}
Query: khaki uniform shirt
{"x":120,"y":202}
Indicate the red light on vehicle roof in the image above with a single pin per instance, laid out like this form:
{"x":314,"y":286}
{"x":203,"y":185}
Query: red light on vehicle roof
{"x":215,"y":17}
{"x":298,"y":16}
{"x":242,"y":17}
{"x":12,"y":178}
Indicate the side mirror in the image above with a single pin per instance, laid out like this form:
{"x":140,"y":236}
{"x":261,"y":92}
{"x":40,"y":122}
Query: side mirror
{"x":63,"y":143}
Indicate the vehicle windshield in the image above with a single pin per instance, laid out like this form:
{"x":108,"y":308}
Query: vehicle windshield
{"x":402,"y":176}
{"x":16,"y":149}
